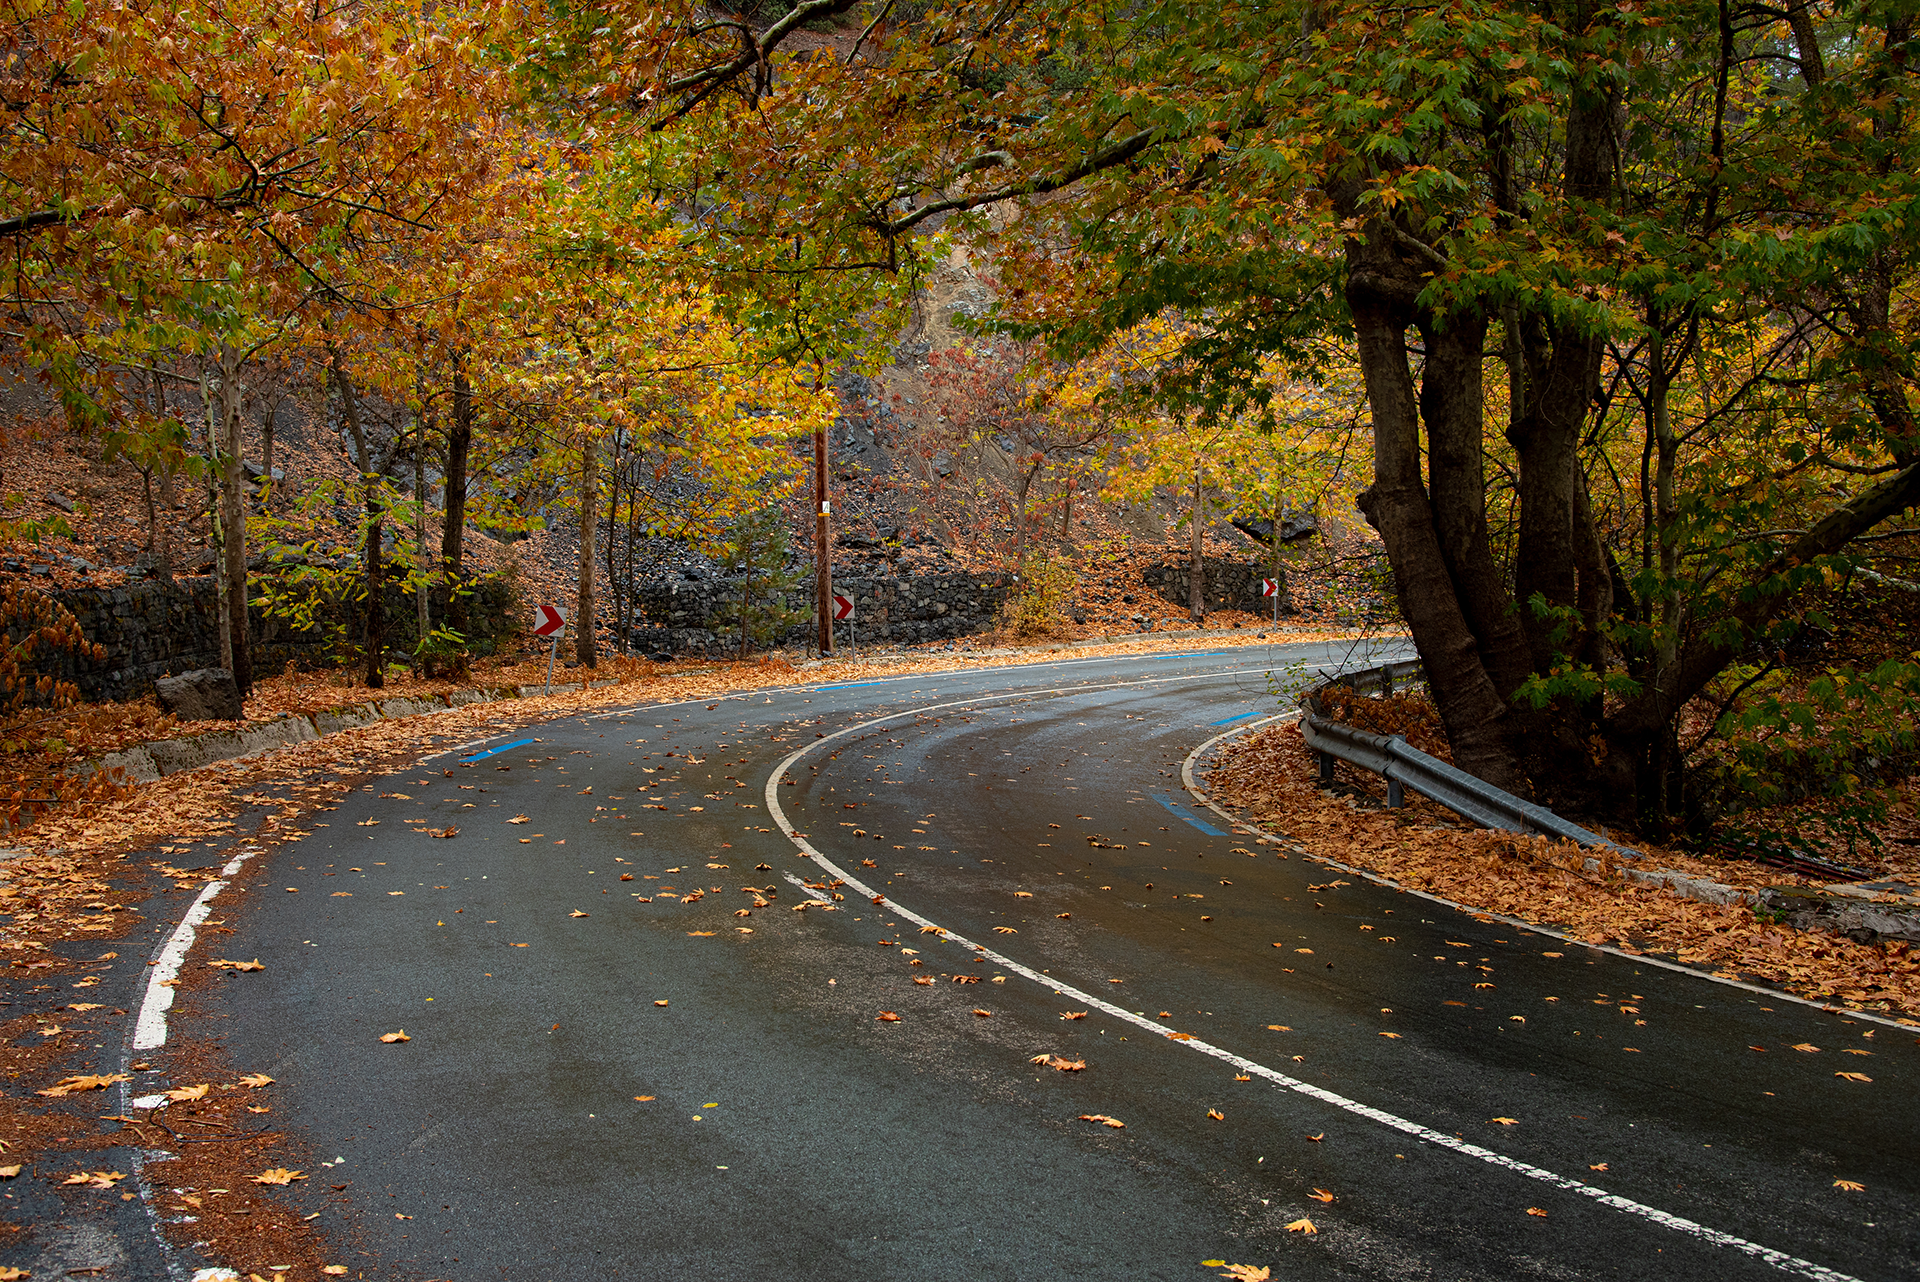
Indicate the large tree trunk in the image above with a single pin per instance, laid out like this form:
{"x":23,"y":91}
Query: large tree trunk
{"x":585,"y":648}
{"x":376,"y":574}
{"x":459,"y":443}
{"x":1381,"y":289}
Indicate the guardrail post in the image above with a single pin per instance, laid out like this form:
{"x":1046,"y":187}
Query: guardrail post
{"x":1326,"y":766}
{"x":1396,"y":795}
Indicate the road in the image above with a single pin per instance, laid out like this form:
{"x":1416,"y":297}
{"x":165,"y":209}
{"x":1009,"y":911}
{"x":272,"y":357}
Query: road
{"x":609,"y":1077}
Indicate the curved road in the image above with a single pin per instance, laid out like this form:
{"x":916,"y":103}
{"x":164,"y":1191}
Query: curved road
{"x":1478,"y":1101}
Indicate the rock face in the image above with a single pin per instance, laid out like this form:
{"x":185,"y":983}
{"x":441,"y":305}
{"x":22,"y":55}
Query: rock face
{"x":205,"y":694}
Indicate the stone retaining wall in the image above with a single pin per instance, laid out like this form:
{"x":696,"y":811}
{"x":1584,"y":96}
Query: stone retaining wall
{"x":152,"y":630}
{"x":1229,"y":585}
{"x":920,"y":607}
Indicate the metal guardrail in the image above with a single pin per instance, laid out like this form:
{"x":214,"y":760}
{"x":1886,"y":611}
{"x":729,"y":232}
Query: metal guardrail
{"x":1404,"y":766}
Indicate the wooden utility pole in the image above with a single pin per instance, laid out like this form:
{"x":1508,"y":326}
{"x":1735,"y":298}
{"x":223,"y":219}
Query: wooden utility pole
{"x":822,"y":563}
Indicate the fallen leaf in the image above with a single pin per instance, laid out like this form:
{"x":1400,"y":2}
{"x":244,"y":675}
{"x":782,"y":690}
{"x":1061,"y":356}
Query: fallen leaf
{"x":1308,"y":951}
{"x":1315,"y":1139}
{"x":1073,"y":1014}
{"x":1597,"y":1166}
{"x":1507,"y":1121}
{"x":368,"y":823}
{"x":1104,"y":1120}
{"x":1246,"y":1273}
{"x":642,"y":1099}
{"x":1302,"y":1225}
{"x":694,"y":934}
{"x":1005,"y":930}
{"x":84,"y":1082}
{"x":1845,"y":1050}
{"x":8,"y":1172}
{"x":278,"y":1175}
{"x":255,"y":964}
{"x":96,"y":1179}
{"x":1392,"y":1035}
{"x":1063,"y":916}
{"x":662,"y":1002}
{"x":887,"y":1017}
{"x":443,"y":832}
{"x":519,"y":819}
{"x":11,"y":1274}
{"x":1534,"y":1210}
{"x":335,"y":1270}
{"x":577,"y":913}
{"x":185,"y":1093}
{"x":400,"y":1036}
{"x":921,"y":979}
{"x":983,"y":1014}
{"x":1216,"y":1115}
{"x":1854,"y":1077}
{"x":1808,"y":1047}
{"x":1321,"y":1195}
{"x":96,"y":1006}
{"x":1242,"y":1077}
{"x":1850,"y":1186}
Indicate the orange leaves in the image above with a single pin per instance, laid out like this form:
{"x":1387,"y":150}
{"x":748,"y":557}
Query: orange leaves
{"x":1302,"y":1225}
{"x":662,"y":1002}
{"x":1321,"y":1195}
{"x":577,"y":913}
{"x":83,"y":1082}
{"x":1849,"y":1186}
{"x":255,"y":964}
{"x":983,"y":1014}
{"x":1104,"y":1120}
{"x":1504,"y":1121}
{"x":887,"y":1017}
{"x":1854,"y":1077}
{"x":1073,"y":1014}
{"x":1807,"y":1047}
{"x":254,"y":1081}
{"x":184,"y":1094}
{"x":1214,"y":1114}
{"x":96,"y":1179}
{"x":449,"y":831}
{"x":1005,"y":930}
{"x":1536,"y":1211}
{"x":1238,"y":1272}
{"x":1059,"y":1063}
{"x":399,"y":1036}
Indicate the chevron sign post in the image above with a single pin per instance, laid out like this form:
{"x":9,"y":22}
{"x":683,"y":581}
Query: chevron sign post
{"x":843,"y":609}
{"x":1271,"y":588}
{"x":549,"y":621}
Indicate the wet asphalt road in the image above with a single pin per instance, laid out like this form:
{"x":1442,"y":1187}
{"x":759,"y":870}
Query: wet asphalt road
{"x":1037,"y":814}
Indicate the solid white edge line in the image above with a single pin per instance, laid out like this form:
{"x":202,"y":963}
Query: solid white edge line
{"x":1779,"y":1259}
{"x":1202,"y":797}
{"x":150,"y":1026}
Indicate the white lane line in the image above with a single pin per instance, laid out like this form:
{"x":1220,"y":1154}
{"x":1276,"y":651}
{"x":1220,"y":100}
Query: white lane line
{"x":1778,"y":1259}
{"x":1201,"y":796}
{"x":150,"y":1027}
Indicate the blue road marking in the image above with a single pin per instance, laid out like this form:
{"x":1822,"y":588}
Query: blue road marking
{"x":850,"y":685}
{"x":1181,"y":812}
{"x":1180,"y":654}
{"x":517,"y":743}
{"x":1239,"y":716}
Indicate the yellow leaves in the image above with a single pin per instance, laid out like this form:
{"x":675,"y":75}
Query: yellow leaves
{"x":1394,"y":1036}
{"x":1104,"y":1120}
{"x":399,"y":1036}
{"x":8,"y":1172}
{"x":182,"y":1094}
{"x":695,"y":934}
{"x":1216,"y":1115}
{"x":519,"y":819}
{"x":1307,"y":951}
{"x":1854,"y":1077}
{"x":1807,"y":1047}
{"x":1280,"y":1028}
{"x":368,"y":823}
{"x":1302,"y":1225}
{"x":1239,"y":1272}
{"x":1849,"y":1186}
{"x":662,"y":1002}
{"x":887,"y":1017}
{"x":95,"y":1179}
{"x":335,"y":1270}
{"x":255,"y":964}
{"x":83,"y":1082}
{"x":11,"y":1274}
{"x":1505,"y":1121}
{"x":983,"y":1014}
{"x":1845,"y":1050}
{"x":1005,"y":930}
{"x":1596,"y":1166}
{"x":1536,"y":1211}
{"x":278,"y":1175}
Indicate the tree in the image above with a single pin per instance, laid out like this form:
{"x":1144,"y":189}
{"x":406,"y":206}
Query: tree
{"x":1532,"y":186}
{"x":756,"y":549}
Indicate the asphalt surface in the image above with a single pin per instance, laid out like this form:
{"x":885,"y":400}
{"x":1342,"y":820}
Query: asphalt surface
{"x":1479,"y":1101}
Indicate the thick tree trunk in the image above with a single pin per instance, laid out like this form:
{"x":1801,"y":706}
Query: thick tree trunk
{"x":422,"y":608}
{"x":454,"y":524}
{"x":1453,"y":406}
{"x":1380,"y":291}
{"x":585,"y":648}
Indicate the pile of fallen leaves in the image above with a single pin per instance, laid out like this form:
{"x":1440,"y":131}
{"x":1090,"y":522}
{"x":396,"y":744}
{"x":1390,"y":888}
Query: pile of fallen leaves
{"x":1268,"y":779}
{"x":1409,"y":713}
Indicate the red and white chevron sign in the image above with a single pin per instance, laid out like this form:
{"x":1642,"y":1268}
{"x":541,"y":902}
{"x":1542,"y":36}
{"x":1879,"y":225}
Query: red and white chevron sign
{"x":547,"y":620}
